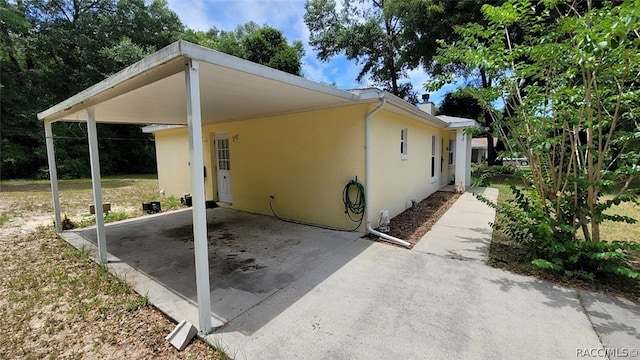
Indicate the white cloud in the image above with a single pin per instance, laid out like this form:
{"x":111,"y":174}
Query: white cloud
{"x":418,"y":77}
{"x":284,"y":15}
{"x":192,"y":13}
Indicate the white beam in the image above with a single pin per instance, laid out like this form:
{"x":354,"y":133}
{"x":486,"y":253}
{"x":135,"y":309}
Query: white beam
{"x":53,"y":174}
{"x":467,"y":166}
{"x":97,"y":186}
{"x":199,"y":210}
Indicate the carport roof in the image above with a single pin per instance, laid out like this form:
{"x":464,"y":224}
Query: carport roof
{"x":152,"y":91}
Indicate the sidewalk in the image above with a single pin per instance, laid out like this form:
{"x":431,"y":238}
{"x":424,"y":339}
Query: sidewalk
{"x":463,"y":232}
{"x":425,"y":303}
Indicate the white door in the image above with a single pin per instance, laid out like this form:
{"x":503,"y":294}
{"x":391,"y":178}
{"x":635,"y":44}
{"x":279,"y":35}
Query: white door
{"x":223,"y":167}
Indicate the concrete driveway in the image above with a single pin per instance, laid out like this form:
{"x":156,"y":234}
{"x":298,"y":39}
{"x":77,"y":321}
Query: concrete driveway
{"x":316,"y":294}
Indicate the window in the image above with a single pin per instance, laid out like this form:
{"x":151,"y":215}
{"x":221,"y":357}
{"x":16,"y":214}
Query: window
{"x":403,"y":144}
{"x":452,"y":149}
{"x":434,"y":156}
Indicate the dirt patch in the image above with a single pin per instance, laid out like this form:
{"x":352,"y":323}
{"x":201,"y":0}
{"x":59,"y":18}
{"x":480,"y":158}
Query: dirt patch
{"x":411,"y":225}
{"x":57,"y":303}
{"x":232,"y":264}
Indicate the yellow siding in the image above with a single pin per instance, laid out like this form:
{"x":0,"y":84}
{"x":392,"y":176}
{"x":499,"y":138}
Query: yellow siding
{"x":172,"y":157}
{"x":394,"y":181}
{"x":304,"y":160}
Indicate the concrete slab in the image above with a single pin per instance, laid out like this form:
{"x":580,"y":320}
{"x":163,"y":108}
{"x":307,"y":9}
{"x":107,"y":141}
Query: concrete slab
{"x":463,"y":232}
{"x":388,"y":302}
{"x":288,"y":291}
{"x":456,"y":243}
{"x":251,"y":257}
{"x":617,"y":321}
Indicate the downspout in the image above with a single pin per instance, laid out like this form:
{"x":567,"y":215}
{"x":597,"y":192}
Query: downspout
{"x":367,"y":177}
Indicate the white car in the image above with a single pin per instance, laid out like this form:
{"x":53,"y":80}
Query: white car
{"x":516,"y":161}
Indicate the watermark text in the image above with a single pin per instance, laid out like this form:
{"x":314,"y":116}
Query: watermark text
{"x":606,"y":352}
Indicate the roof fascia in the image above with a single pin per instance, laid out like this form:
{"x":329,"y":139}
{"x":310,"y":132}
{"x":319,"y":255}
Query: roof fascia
{"x":414,"y":110}
{"x":200,"y":53}
{"x":147,"y":70}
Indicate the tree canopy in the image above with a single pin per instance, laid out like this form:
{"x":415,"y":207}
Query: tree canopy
{"x":261,"y":44}
{"x":567,"y":73}
{"x":51,"y":50}
{"x":388,"y":38}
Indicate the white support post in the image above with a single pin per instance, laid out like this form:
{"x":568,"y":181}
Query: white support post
{"x":467,"y":173}
{"x":53,"y":175}
{"x":97,"y":186}
{"x":462,"y":167}
{"x":199,"y":210}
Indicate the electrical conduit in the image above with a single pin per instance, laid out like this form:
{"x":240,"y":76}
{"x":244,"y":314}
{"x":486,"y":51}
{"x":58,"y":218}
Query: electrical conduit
{"x":367,"y":180}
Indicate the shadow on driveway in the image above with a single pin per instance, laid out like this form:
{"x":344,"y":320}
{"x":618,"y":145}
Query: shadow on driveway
{"x":251,"y":257}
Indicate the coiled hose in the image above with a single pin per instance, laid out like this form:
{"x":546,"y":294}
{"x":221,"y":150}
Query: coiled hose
{"x":356,"y":207}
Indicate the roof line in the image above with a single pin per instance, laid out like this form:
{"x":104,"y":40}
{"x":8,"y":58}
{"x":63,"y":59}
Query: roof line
{"x":162,"y":64}
{"x":201,"y":53}
{"x":113,"y":83}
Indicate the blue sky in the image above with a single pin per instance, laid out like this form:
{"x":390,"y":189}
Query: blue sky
{"x":287,"y":16}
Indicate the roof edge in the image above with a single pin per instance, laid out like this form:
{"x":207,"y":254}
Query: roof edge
{"x":458,"y":122}
{"x":201,"y":53}
{"x":414,"y":110}
{"x":86,"y":96}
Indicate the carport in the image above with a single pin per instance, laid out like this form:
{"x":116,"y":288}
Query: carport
{"x":184,"y":84}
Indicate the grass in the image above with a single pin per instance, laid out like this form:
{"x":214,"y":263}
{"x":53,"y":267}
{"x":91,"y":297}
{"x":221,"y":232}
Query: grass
{"x":4,"y":218}
{"x":57,"y":302}
{"x":125,"y":194}
{"x":506,"y":254}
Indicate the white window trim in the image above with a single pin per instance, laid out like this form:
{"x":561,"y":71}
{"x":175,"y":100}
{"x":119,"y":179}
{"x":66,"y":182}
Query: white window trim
{"x":404,"y":148}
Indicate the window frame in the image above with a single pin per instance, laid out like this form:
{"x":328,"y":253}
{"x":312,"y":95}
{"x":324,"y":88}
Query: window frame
{"x":404,"y":143}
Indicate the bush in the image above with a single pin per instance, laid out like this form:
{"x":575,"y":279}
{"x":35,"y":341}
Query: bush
{"x":552,"y":245}
{"x":482,"y":174}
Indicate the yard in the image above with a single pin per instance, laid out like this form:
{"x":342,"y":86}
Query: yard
{"x":56,"y":302}
{"x":506,"y":254}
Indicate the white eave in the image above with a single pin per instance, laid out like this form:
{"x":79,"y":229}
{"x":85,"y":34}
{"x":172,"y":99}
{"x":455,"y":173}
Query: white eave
{"x":458,"y":122}
{"x":399,"y":106}
{"x":152,"y":91}
{"x":150,"y":129}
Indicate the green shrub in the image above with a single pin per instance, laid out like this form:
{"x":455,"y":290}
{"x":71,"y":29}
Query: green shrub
{"x":481,"y":174}
{"x":551,"y":244}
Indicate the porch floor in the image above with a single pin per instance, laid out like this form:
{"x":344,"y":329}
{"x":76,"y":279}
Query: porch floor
{"x":251,"y":257}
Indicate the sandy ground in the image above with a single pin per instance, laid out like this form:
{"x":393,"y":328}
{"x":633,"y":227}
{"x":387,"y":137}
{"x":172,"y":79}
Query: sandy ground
{"x":57,"y":303}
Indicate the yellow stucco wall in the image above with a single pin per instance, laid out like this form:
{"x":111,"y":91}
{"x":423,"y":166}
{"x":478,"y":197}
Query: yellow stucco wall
{"x":396,"y":181}
{"x":172,"y":157}
{"x":303,"y":160}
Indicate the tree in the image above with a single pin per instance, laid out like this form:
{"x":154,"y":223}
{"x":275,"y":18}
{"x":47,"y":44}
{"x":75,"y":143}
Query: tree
{"x":388,"y":37}
{"x":54,"y":49}
{"x":260,"y":44}
{"x":570,"y":91}
{"x":269,"y":47}
{"x":365,"y":33}
{"x":460,"y":104}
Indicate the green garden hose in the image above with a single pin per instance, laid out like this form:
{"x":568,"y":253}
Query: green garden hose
{"x":356,"y":206}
